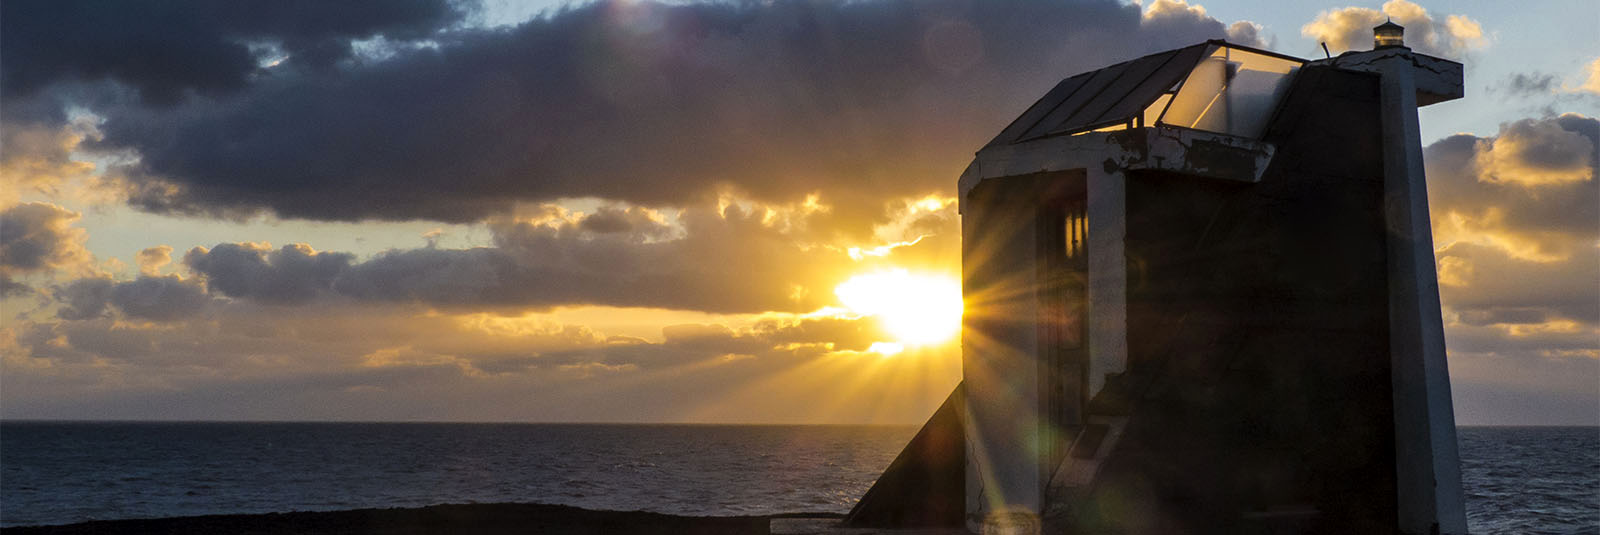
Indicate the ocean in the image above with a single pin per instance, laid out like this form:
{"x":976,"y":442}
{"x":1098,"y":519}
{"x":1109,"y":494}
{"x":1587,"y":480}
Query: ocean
{"x":1520,"y":480}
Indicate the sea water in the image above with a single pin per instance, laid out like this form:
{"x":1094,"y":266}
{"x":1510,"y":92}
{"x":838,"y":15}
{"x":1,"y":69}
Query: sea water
{"x":1517,"y":479}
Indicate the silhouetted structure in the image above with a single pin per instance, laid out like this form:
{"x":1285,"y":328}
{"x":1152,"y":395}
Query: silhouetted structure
{"x":1200,"y":299}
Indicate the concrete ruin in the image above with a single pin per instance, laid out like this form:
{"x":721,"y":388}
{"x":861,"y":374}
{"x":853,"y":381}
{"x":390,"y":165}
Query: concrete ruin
{"x":1200,"y":298}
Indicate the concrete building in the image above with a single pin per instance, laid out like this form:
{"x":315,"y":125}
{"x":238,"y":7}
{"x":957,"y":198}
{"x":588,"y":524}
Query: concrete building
{"x":1200,"y":299}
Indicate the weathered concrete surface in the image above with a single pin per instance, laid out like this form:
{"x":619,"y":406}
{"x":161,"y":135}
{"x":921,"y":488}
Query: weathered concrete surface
{"x":1156,"y":148}
{"x":1433,"y":80}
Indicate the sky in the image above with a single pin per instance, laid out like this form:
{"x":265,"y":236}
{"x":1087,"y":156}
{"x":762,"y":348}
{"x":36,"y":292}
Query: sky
{"x":626,"y":211}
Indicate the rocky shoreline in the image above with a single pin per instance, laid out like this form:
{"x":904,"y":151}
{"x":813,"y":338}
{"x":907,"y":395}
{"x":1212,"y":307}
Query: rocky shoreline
{"x":485,"y":519}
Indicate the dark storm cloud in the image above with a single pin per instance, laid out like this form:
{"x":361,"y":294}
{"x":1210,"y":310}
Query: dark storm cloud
{"x":164,"y":49}
{"x":636,"y":101}
{"x":293,"y":274}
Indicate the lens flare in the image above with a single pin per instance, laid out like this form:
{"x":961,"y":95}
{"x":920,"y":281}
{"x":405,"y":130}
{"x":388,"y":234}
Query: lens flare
{"x":917,"y":309}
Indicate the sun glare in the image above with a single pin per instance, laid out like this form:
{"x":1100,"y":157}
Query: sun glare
{"x":916,"y":309}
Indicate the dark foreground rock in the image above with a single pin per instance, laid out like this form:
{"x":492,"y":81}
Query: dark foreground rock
{"x":477,"y":518}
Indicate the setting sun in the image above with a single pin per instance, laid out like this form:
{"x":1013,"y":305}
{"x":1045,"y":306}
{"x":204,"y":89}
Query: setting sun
{"x":917,"y":309}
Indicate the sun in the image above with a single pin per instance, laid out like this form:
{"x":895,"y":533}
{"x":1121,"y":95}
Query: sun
{"x":917,"y":309}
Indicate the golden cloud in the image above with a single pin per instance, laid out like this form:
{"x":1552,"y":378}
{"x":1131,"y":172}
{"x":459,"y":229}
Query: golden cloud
{"x":1591,"y":81}
{"x":1350,"y":28}
{"x":1534,"y":152}
{"x":39,"y":238}
{"x":39,"y":160}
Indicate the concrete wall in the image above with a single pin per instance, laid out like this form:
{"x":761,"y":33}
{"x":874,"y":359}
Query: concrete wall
{"x":999,"y":346}
{"x":1258,"y":373}
{"x":1015,"y":444}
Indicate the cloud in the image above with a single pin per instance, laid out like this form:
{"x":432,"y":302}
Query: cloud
{"x":1555,"y":91}
{"x":38,"y":158}
{"x":240,"y":360}
{"x":728,"y":261}
{"x":1532,"y":152}
{"x":1515,"y":224}
{"x":84,"y":298}
{"x":1530,"y":84}
{"x":652,"y":104}
{"x":293,"y":274}
{"x":158,"y":298}
{"x":730,"y":256}
{"x":10,"y":288}
{"x":168,"y":50}
{"x":1350,"y":28}
{"x":1490,"y":287}
{"x":685,"y":344}
{"x":1162,"y":15}
{"x":152,"y":259}
{"x":245,"y":338}
{"x":1528,"y":191}
{"x":38,"y":237}
{"x":153,"y":298}
{"x":637,"y":221}
{"x":1591,"y":78}
{"x":1249,"y":33}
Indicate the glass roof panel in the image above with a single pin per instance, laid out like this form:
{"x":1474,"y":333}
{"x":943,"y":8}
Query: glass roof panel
{"x":1154,"y":110}
{"x":1219,"y":87}
{"x":1085,"y":102}
{"x":1231,"y":91}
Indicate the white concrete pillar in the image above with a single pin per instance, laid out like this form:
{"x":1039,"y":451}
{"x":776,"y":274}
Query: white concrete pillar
{"x":1426,"y":457}
{"x":1000,"y":363}
{"x":1108,"y":276}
